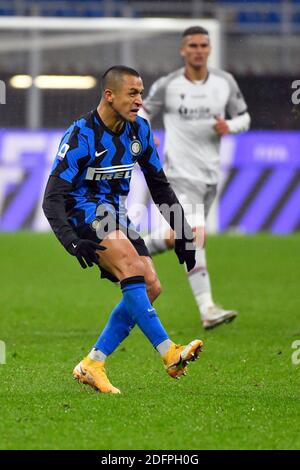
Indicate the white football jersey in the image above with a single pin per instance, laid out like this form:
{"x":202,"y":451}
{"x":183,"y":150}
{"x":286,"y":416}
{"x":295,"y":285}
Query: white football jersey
{"x":192,"y":147}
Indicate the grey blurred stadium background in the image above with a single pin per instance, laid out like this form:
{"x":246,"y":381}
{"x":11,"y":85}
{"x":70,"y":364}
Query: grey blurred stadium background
{"x":260,"y":45}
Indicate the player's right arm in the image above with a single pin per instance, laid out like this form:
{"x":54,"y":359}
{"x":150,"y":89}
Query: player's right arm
{"x":70,"y":160}
{"x":237,"y":109}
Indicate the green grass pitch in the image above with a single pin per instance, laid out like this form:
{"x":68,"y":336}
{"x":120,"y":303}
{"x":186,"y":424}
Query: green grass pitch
{"x":243,"y":393}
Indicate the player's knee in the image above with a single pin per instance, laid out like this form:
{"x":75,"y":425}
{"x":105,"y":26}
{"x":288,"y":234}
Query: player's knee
{"x":170,"y":239}
{"x":153,"y":288}
{"x":156,"y":290}
{"x":200,"y":236}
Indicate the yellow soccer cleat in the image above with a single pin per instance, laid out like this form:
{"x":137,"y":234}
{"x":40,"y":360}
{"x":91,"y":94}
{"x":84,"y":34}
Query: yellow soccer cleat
{"x":92,"y":373}
{"x":177,"y":357}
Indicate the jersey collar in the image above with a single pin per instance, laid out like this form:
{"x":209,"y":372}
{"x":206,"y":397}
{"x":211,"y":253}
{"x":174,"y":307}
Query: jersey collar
{"x":101,"y":123}
{"x":195,"y":81}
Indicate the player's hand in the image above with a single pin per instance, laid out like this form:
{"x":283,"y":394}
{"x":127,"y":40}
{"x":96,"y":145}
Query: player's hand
{"x":85,"y":252}
{"x":221,"y":127}
{"x":185,"y":254}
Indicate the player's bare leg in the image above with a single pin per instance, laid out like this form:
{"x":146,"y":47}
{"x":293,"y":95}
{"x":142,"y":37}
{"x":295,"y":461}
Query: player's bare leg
{"x":211,"y":314}
{"x":121,"y":259}
{"x":153,"y":285}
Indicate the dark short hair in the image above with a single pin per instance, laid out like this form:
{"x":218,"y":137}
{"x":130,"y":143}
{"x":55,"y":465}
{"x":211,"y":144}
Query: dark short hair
{"x":115,"y":74}
{"x":194,"y":30}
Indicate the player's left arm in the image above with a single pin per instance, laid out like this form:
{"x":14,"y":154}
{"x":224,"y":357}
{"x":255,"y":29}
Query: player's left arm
{"x":167,"y":202}
{"x":237,"y":109}
{"x":72,"y":156}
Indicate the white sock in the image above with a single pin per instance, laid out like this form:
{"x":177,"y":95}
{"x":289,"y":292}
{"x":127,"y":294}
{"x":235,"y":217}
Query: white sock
{"x":156,"y":241}
{"x":97,"y":355}
{"x":163,"y":347}
{"x":200,"y":283}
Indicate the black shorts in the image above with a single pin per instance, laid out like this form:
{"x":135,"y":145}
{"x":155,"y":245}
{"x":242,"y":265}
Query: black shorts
{"x":96,"y":233}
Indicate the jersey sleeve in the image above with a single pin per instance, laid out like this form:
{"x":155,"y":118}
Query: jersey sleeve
{"x":72,"y":155}
{"x":54,"y":207}
{"x":236,"y":103}
{"x":149,"y":160}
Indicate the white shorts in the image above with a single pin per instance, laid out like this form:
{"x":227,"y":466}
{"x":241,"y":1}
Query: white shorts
{"x":196,"y":199}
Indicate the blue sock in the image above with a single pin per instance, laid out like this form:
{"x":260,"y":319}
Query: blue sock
{"x":116,"y":329}
{"x":138,"y":306}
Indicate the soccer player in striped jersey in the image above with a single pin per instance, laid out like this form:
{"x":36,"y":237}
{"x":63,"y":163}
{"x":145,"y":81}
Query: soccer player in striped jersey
{"x":85,"y":204}
{"x":195,"y":101}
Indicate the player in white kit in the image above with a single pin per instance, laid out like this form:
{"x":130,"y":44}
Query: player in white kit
{"x":199,"y":106}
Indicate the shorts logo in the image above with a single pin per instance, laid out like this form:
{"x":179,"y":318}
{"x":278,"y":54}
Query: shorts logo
{"x":135,"y":148}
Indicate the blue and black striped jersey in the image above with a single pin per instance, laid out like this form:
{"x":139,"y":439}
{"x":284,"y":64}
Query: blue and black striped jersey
{"x":99,"y":163}
{"x":92,"y":172}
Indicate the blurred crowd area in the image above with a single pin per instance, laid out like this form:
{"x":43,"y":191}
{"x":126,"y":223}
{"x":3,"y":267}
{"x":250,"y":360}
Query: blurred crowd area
{"x":238,"y":14}
{"x":260,"y":46}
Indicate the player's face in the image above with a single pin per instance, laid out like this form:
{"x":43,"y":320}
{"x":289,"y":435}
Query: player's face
{"x":195,"y":50}
{"x":127,"y":99}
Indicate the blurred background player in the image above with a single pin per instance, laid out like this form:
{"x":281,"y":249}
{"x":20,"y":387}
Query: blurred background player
{"x":84,"y":203}
{"x":194,"y":101}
